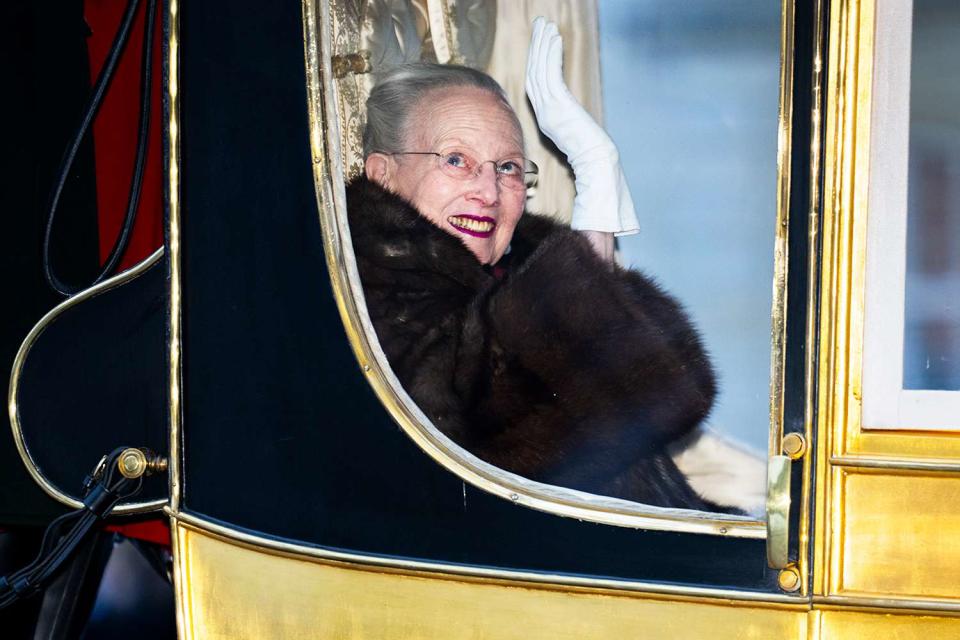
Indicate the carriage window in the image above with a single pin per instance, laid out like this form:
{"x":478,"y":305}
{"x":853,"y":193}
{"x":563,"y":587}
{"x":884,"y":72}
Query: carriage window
{"x":913,"y":252}
{"x":932,"y":304}
{"x":546,"y":364}
{"x":694,"y":114}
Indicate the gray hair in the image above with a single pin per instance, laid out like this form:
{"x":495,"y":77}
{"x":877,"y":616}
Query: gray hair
{"x":399,"y":91}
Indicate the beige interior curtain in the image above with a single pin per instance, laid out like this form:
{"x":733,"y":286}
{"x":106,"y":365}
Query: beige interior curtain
{"x":578,"y":24}
{"x":370,"y":36}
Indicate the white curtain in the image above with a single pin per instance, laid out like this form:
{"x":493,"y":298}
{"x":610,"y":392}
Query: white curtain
{"x":578,"y":24}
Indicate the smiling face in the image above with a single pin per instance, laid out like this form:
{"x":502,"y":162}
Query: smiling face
{"x":479,"y":210}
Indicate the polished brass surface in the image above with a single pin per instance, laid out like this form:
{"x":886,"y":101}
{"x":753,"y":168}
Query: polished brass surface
{"x":175,"y":310}
{"x":778,"y":511}
{"x":794,"y":446}
{"x":132,"y":463}
{"x":873,"y":604}
{"x":157,"y":464}
{"x":846,"y":130}
{"x":232,"y":591}
{"x":329,"y":173}
{"x":899,"y":535}
{"x":856,"y":625}
{"x":35,"y":472}
{"x":274,"y":546}
{"x":789,"y":579}
{"x":904,"y":463}
{"x":778,"y":327}
{"x":173,"y":241}
{"x":812,"y":294}
{"x":885,"y":532}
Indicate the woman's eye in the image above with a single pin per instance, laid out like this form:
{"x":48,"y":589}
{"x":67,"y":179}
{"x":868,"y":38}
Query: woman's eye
{"x":510,"y":168}
{"x":457,"y":160}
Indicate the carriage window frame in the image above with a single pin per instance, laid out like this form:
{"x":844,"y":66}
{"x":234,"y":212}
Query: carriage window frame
{"x":886,"y":404}
{"x":330,"y":173}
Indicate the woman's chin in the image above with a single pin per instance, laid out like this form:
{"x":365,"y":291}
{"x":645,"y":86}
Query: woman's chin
{"x":482,"y":249}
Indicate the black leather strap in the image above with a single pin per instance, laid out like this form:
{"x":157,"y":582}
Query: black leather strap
{"x":136,"y":182}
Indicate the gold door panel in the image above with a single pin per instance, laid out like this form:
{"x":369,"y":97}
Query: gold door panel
{"x":233,"y":591}
{"x":899,"y":535}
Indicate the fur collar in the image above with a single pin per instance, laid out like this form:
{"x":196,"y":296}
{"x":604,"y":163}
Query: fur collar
{"x":389,"y":232}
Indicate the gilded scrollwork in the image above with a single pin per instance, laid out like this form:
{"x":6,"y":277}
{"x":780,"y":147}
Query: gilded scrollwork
{"x":347,"y":18}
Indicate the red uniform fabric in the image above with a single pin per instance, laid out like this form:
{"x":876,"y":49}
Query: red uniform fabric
{"x":115,"y":132}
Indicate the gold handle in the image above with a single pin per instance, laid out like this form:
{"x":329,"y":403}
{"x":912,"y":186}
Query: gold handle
{"x":344,"y":65}
{"x":778,"y":511}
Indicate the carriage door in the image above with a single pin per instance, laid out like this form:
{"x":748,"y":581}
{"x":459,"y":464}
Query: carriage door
{"x":296,"y":439}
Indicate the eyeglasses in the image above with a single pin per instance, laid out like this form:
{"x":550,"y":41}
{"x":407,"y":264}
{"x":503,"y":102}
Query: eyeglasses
{"x":512,"y":174}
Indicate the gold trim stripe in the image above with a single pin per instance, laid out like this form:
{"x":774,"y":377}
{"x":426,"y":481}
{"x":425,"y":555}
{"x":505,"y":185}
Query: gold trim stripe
{"x":778,"y":328}
{"x":17,"y":369}
{"x":173,"y":188}
{"x":813,"y":287}
{"x":174,"y":318}
{"x":881,"y":605}
{"x":278,"y":547}
{"x":904,"y":464}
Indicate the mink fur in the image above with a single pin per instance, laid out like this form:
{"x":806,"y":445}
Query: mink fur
{"x":563,"y":368}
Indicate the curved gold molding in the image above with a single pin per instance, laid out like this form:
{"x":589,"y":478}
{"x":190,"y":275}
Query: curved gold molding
{"x":13,"y":411}
{"x":345,"y":281}
{"x":277,"y":547}
{"x":778,"y":313}
{"x":813,"y":275}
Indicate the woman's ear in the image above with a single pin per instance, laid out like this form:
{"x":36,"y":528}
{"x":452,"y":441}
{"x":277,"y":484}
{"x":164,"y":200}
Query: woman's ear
{"x":377,"y":168}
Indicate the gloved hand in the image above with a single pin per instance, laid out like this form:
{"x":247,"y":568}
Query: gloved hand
{"x":603,"y":201}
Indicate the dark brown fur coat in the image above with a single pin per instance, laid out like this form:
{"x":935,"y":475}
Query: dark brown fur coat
{"x":565,"y":369}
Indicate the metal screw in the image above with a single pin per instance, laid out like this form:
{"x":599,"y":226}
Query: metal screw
{"x":514,"y":497}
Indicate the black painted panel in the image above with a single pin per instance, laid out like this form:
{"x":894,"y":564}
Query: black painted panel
{"x":95,"y":379}
{"x":46,"y":79}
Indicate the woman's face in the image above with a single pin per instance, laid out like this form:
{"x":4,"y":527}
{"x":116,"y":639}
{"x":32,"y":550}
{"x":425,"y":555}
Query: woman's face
{"x":480,"y":211}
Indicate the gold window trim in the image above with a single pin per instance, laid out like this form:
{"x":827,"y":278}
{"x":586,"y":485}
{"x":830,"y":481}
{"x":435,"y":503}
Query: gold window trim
{"x":846,"y":179}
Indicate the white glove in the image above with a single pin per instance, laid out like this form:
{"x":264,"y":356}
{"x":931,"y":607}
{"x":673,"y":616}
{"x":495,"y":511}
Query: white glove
{"x":603,"y":201}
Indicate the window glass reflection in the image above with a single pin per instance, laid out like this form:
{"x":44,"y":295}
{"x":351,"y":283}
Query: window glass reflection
{"x":694,"y":114}
{"x":932,"y":311}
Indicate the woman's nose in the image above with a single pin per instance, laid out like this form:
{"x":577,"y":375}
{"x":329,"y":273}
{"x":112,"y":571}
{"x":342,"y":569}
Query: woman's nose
{"x":485,"y":183}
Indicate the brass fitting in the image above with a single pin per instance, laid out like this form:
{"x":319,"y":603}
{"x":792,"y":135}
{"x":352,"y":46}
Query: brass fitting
{"x":134,"y":463}
{"x":793,"y":446}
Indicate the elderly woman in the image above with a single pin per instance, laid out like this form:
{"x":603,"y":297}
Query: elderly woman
{"x":518,"y":337}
